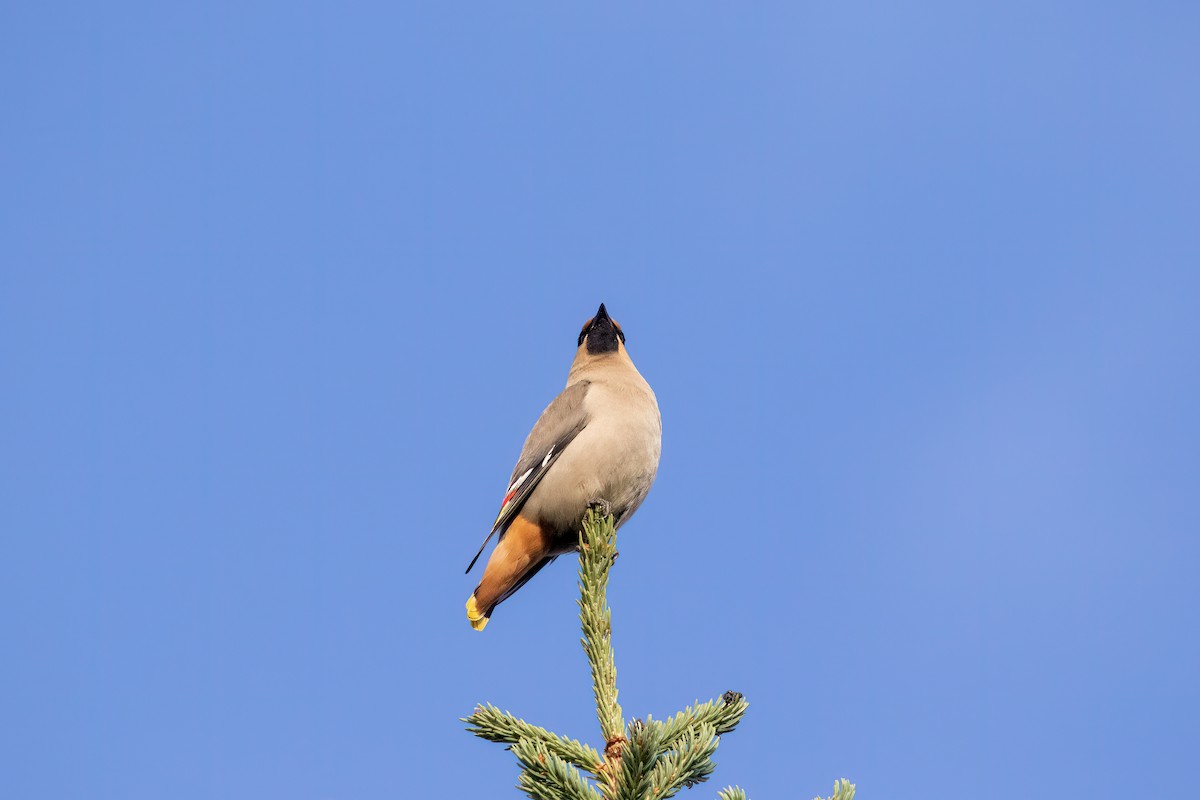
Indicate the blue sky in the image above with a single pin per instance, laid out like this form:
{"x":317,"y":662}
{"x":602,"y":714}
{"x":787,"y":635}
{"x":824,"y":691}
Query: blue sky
{"x":283,"y":287}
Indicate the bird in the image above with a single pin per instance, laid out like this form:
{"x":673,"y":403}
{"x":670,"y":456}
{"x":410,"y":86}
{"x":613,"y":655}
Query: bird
{"x":597,"y":443}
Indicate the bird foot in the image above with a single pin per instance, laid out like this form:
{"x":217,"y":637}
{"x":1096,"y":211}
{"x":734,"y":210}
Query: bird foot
{"x":601,"y":505}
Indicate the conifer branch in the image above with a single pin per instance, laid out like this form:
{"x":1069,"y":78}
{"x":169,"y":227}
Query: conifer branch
{"x":597,"y":551}
{"x":547,"y":777}
{"x":643,"y":750}
{"x":689,"y":763}
{"x":724,"y":716}
{"x":842,"y":790}
{"x":489,"y":722}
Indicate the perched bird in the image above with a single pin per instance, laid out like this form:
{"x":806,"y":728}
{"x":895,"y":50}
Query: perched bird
{"x":597,"y":442}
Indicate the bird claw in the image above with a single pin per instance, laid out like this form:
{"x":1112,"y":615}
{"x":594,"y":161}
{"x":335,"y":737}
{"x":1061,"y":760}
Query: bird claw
{"x":601,"y":505}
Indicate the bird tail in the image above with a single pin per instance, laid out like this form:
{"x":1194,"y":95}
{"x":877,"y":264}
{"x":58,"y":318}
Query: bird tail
{"x":479,"y":614}
{"x":520,"y":554}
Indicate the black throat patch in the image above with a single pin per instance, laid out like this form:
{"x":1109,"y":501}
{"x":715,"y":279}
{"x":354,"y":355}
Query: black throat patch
{"x":602,"y":338}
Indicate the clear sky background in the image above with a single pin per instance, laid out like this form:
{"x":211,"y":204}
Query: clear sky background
{"x":283,"y":287}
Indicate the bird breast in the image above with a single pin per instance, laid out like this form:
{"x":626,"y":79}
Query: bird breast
{"x":614,"y":459}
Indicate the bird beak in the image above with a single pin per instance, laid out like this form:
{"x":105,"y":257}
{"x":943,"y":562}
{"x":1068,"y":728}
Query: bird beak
{"x":602,"y":314}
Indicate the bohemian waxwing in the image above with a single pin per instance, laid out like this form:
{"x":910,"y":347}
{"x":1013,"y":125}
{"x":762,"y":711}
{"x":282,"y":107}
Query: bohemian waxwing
{"x":598,"y":442}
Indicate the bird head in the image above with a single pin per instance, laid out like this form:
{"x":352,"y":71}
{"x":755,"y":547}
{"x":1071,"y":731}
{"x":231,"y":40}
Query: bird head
{"x":601,"y":333}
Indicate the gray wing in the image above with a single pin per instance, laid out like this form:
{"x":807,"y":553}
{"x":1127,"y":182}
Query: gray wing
{"x":559,"y":424}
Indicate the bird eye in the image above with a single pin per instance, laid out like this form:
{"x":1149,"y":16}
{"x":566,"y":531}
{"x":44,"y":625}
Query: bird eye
{"x":621,"y":333}
{"x":583,"y":333}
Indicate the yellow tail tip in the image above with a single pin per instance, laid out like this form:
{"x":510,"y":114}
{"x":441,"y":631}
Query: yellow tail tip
{"x":476,"y":617}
